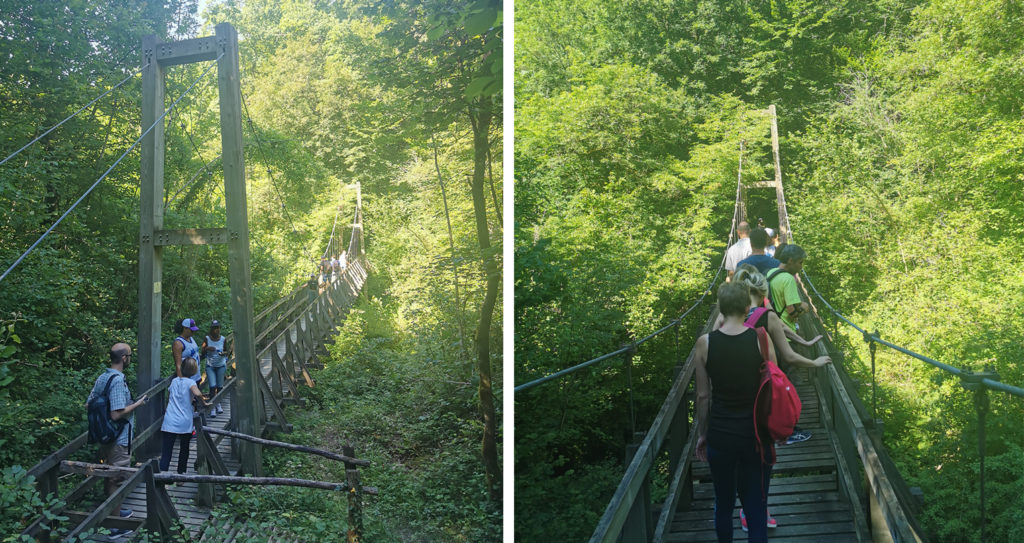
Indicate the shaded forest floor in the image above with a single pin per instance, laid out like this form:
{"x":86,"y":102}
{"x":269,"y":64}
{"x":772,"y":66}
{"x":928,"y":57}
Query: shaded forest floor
{"x":405,"y":412}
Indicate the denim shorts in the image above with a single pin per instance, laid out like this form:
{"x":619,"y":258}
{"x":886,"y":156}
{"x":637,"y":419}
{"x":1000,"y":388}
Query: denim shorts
{"x":216,"y":375}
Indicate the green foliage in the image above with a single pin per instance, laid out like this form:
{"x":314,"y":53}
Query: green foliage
{"x":409,"y":413}
{"x":901,"y":157}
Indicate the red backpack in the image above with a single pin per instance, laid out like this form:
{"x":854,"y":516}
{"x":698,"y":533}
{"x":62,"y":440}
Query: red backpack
{"x":777,"y":407}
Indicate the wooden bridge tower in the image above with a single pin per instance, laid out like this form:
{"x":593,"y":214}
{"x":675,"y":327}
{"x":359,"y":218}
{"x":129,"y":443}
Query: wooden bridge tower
{"x":774,"y":183}
{"x":156,"y":57}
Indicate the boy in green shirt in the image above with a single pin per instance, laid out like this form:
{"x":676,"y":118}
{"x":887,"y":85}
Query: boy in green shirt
{"x":782,"y":286}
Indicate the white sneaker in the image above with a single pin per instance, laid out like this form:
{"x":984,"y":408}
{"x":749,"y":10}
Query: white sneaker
{"x":220,"y":409}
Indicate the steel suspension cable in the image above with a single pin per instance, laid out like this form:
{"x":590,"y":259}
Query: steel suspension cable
{"x":1016,"y":391}
{"x":69,"y":117}
{"x":330,"y":240}
{"x":106,"y":173}
{"x":270,"y":174}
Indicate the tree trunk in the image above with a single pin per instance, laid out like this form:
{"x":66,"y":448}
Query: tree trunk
{"x":481,"y":120}
{"x":451,"y":248}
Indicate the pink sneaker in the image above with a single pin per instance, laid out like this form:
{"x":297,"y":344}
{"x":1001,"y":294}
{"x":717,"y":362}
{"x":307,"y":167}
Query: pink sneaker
{"x":772,"y":523}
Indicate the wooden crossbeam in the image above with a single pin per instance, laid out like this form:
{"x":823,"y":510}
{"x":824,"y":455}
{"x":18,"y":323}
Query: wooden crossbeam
{"x":106,"y":471}
{"x":290,"y":446}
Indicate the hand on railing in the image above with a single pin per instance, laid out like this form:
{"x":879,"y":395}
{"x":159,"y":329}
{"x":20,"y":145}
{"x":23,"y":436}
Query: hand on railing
{"x":702,"y":449}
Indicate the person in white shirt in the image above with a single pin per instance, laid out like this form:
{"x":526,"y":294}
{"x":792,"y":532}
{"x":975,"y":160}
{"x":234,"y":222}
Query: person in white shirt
{"x":739,"y":250}
{"x":177,"y":424}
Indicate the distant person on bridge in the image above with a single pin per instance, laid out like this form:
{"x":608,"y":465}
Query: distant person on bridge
{"x":178,"y":417}
{"x":216,"y":363}
{"x":118,"y":453}
{"x":728,"y":375}
{"x":335,"y":267}
{"x":739,"y":250}
{"x":185,"y":346}
{"x":343,"y":260}
{"x":757,"y":258}
{"x":773,"y":242}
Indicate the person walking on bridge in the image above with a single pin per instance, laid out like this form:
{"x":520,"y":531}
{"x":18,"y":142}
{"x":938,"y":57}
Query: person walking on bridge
{"x":185,"y":346}
{"x":728,"y":374}
{"x":739,"y":250}
{"x":216,"y":363}
{"x":117,"y":453}
{"x":758,"y":258}
{"x":177,"y":424}
{"x":782,"y":286}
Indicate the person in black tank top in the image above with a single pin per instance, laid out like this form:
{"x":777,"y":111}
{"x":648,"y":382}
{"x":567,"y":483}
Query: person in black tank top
{"x":728,"y":374}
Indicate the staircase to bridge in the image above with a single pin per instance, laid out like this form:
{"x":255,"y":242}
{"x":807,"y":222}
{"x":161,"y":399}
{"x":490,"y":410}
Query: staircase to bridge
{"x":291,"y":338}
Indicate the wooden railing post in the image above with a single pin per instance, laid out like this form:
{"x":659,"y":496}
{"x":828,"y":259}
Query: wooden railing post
{"x":275,"y":374}
{"x":355,"y":497}
{"x":679,"y":434}
{"x":639,"y":525}
{"x":206,"y":492}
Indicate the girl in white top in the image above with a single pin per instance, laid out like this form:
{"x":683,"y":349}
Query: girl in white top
{"x":177,"y":423}
{"x":216,"y":363}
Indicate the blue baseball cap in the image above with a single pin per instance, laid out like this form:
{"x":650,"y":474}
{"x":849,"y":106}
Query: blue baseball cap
{"x":190,"y":324}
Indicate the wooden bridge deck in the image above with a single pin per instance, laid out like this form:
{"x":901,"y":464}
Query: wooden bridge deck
{"x":804,"y":494}
{"x":195,"y":517}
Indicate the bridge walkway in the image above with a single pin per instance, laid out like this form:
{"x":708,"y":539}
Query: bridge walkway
{"x":293,"y":330}
{"x":804,"y":496}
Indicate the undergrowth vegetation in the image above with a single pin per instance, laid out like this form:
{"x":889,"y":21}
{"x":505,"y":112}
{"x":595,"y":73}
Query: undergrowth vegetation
{"x":403,"y":410}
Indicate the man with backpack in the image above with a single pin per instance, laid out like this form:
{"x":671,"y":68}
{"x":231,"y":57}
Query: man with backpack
{"x":114,"y":434}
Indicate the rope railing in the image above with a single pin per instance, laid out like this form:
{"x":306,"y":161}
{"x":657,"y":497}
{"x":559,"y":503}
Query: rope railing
{"x":874,"y":337}
{"x":672,"y":324}
{"x":977,"y":382}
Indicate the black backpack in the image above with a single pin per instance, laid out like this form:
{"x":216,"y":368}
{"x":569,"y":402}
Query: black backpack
{"x":102,"y":429}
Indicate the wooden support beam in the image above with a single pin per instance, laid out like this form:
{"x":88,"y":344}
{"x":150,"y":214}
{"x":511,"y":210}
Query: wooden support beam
{"x":290,"y":446}
{"x":104,"y":470}
{"x":191,"y":236}
{"x":151,"y":219}
{"x":186,"y":51}
{"x":247,"y":393}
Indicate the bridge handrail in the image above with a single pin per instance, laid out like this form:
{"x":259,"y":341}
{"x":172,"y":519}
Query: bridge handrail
{"x":673,"y":416}
{"x":675,"y":322}
{"x":72,"y":446}
{"x":53,"y":460}
{"x":987,"y":382}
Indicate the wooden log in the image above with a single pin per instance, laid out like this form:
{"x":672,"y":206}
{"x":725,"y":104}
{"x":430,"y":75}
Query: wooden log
{"x":105,"y":471}
{"x":292,"y":446}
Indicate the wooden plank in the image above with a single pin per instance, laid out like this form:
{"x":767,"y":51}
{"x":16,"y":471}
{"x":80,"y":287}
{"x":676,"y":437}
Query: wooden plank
{"x":110,"y":504}
{"x":191,"y":236}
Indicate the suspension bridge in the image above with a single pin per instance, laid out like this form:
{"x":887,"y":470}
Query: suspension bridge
{"x":841,"y":485}
{"x":272,"y":352}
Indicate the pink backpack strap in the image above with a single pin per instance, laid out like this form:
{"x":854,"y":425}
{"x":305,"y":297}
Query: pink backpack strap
{"x":754,"y":317}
